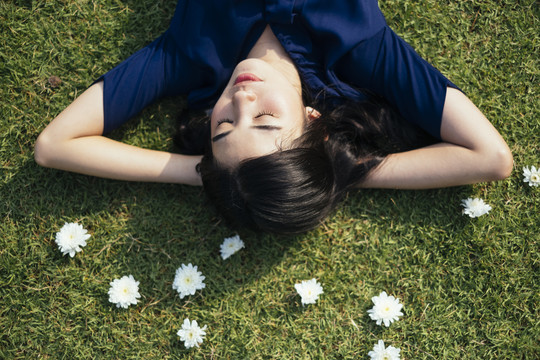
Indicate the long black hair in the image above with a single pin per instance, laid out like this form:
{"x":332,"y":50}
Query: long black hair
{"x":293,"y":190}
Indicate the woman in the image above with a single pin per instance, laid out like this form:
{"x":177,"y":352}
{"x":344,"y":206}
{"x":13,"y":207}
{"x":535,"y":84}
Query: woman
{"x":276,"y":160}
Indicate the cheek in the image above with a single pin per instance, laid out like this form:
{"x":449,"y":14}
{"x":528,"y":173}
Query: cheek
{"x":277,"y":104}
{"x":286,"y":99}
{"x":290,"y":110}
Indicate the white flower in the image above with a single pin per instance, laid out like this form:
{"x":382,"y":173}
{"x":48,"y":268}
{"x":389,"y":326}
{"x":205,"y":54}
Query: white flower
{"x":230,"y":246}
{"x":475,"y":207}
{"x":532,"y":175}
{"x":188,"y":280}
{"x":191,"y":334}
{"x":71,"y":238}
{"x":379,"y":352}
{"x":386,"y":309}
{"x":309,"y":290}
{"x":124,"y":291}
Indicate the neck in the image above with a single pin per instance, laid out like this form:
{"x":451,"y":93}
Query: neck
{"x":269,"y":49}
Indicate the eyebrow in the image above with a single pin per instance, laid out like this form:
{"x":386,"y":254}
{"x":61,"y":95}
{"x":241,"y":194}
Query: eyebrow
{"x":259,"y":127}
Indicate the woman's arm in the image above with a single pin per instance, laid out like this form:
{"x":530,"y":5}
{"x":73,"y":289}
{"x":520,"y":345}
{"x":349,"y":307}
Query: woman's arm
{"x":73,"y":142}
{"x":472,"y":151}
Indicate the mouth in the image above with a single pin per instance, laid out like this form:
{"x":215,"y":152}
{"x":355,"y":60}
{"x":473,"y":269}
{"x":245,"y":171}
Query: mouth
{"x":247,"y":77}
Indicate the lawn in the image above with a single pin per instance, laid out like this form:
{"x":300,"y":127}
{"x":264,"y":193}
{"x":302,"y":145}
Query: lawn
{"x":470,"y":286}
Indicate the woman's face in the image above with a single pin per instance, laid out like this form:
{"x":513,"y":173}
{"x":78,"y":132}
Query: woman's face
{"x":259,"y":112}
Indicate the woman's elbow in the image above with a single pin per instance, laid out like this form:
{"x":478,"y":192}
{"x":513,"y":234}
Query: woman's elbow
{"x":44,"y":150}
{"x":501,"y":163}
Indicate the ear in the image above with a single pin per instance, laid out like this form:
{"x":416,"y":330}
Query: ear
{"x":312,"y":114}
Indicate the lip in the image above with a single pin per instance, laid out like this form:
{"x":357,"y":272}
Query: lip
{"x":246,"y":77}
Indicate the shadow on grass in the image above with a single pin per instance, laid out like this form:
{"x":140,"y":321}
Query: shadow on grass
{"x":154,"y":228}
{"x":157,"y":223}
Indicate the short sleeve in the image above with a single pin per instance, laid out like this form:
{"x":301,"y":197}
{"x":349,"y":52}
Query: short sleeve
{"x":389,"y":67}
{"x":156,"y":71}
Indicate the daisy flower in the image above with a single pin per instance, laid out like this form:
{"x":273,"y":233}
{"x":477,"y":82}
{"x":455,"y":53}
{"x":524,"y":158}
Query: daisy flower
{"x":386,"y":309}
{"x":188,"y":280}
{"x":380,"y":352}
{"x":191,"y":334}
{"x":532,"y":175}
{"x":71,"y":238}
{"x":475,"y":207}
{"x":230,"y":246}
{"x":124,"y":291}
{"x":309,"y":290}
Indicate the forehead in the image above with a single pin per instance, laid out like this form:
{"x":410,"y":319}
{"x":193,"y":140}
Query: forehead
{"x":240,"y":145}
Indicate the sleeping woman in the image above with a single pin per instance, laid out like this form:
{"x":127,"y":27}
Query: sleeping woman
{"x":301,"y":102}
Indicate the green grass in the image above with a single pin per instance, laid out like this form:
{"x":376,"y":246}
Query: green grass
{"x":470,"y":286}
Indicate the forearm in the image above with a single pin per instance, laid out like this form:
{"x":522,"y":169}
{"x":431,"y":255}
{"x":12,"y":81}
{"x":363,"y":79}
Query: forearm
{"x":436,"y":166}
{"x":472,"y":151}
{"x":73,"y":142}
{"x":103,"y":157}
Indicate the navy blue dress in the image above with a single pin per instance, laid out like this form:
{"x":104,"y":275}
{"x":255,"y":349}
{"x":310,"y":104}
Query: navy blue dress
{"x":338,"y":47}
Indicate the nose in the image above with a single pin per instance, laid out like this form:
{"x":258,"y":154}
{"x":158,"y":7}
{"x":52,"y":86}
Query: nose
{"x":244,"y":95}
{"x":243,"y":101}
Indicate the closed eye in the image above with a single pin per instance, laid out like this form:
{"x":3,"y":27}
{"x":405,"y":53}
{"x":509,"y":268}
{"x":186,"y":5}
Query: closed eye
{"x":263,"y":113}
{"x":260,"y":114}
{"x":229,"y":121}
{"x":258,"y":127}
